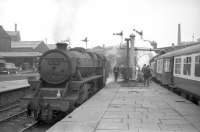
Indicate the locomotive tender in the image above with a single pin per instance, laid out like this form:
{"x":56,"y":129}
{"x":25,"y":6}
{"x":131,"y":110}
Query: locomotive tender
{"x":67,"y":79}
{"x":180,"y":69}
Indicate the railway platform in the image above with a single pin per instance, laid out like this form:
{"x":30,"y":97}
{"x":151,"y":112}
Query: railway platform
{"x":12,"y":91}
{"x":121,"y":108}
{"x":6,"y":86}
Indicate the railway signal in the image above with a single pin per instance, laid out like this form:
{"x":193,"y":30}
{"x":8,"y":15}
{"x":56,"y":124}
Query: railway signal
{"x":85,"y":40}
{"x":121,"y":35}
{"x":139,"y":32}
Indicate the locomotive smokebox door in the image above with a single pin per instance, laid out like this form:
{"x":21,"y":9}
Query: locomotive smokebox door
{"x":55,"y":67}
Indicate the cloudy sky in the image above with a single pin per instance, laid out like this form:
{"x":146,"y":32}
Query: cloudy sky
{"x":58,"y":20}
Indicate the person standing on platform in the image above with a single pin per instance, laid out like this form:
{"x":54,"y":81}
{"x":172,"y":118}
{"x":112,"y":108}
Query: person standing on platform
{"x":143,"y":70}
{"x":116,"y":73}
{"x":146,"y":75}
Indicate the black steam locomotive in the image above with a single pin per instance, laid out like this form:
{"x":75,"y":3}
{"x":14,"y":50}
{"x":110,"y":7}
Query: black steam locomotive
{"x":67,"y":79}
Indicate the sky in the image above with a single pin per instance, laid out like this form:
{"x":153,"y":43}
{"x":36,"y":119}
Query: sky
{"x":56,"y":20}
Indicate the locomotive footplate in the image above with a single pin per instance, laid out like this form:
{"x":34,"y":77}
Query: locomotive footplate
{"x":63,"y":104}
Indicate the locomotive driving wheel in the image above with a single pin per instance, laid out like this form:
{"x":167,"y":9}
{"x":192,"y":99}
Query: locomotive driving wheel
{"x":47,"y":113}
{"x":36,"y":114}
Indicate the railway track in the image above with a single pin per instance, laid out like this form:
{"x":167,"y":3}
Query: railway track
{"x":18,"y":122}
{"x":9,"y":110}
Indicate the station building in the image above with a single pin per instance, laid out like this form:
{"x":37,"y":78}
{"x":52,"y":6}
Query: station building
{"x":23,"y":54}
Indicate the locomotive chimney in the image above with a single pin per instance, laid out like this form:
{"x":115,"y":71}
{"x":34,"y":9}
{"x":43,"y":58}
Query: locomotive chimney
{"x":62,"y":46}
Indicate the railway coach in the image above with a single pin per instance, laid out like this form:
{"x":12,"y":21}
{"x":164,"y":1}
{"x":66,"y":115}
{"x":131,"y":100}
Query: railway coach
{"x":180,"y":69}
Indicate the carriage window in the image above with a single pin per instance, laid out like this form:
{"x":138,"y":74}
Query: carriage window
{"x":167,"y":65}
{"x":178,"y":66}
{"x":159,"y":66}
{"x":187,"y":66}
{"x":197,"y":66}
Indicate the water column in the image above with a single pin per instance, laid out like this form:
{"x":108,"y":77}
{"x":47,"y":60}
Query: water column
{"x":133,"y":56}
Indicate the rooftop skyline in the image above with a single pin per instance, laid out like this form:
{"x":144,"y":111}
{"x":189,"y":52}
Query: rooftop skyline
{"x":57,"y":20}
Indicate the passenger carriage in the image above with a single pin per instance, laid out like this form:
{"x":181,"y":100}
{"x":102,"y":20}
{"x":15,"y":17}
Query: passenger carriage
{"x":181,"y":68}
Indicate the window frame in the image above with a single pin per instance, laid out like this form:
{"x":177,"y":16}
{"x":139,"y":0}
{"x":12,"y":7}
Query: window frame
{"x":192,"y":76}
{"x":166,"y":65}
{"x":178,"y":74}
{"x":159,"y":68}
{"x":187,"y":63}
{"x":197,"y":55}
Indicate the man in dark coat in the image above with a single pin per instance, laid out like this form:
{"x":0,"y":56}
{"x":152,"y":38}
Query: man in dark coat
{"x":146,"y":74}
{"x":116,"y":72}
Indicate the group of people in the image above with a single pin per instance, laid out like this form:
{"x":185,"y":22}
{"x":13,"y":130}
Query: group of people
{"x":146,"y":70}
{"x":145,"y":74}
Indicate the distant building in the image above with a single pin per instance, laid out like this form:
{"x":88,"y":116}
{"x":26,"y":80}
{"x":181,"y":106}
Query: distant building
{"x":51,"y":46}
{"x":14,"y":35}
{"x":5,"y":40}
{"x":198,"y":40}
{"x":29,"y":46}
{"x":24,"y":54}
{"x":26,"y":60}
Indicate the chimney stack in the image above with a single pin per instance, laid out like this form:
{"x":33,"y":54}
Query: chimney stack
{"x":62,"y":46}
{"x":179,"y":35}
{"x":15,"y":27}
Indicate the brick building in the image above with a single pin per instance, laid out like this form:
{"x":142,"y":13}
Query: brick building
{"x":5,"y":40}
{"x":14,"y":35}
{"x":21,"y":53}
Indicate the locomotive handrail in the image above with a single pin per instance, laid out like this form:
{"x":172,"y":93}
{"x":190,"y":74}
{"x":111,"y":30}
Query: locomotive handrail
{"x":88,"y":79}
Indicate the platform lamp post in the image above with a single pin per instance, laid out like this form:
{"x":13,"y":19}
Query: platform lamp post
{"x":121,"y":35}
{"x":85,"y":40}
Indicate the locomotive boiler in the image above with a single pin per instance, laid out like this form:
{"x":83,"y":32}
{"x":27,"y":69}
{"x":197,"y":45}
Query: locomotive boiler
{"x":67,"y":79}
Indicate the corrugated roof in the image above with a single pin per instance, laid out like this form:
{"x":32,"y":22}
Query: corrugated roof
{"x":20,"y":54}
{"x":24,"y":44}
{"x":183,"y":51}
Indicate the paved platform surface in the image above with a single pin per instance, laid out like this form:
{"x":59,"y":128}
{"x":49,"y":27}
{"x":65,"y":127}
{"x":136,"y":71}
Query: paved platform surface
{"x":132,"y":109}
{"x":6,"y":86}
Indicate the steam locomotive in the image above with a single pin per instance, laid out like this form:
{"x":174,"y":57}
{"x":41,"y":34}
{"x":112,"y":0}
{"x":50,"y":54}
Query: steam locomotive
{"x":180,"y":70}
{"x":67,"y":79}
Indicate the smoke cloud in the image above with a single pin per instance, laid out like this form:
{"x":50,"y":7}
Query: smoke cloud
{"x":65,"y":20}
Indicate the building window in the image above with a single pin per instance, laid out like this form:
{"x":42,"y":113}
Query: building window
{"x":178,"y":66}
{"x":187,"y":66}
{"x":167,"y":65}
{"x":197,"y":66}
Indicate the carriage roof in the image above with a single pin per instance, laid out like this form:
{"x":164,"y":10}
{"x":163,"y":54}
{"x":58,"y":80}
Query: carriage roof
{"x":184,"y":51}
